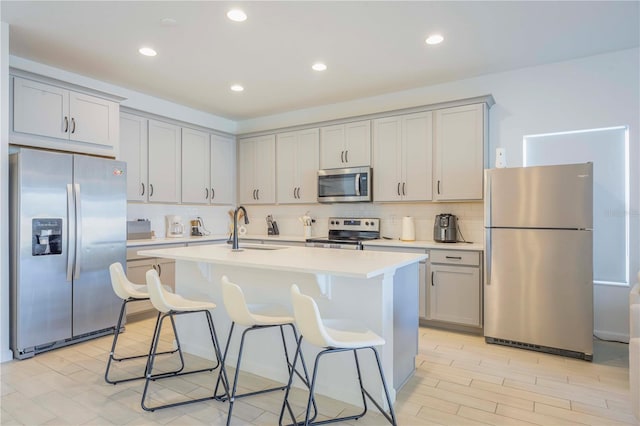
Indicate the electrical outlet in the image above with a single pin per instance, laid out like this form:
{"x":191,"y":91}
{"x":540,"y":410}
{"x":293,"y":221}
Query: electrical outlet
{"x":501,"y":160}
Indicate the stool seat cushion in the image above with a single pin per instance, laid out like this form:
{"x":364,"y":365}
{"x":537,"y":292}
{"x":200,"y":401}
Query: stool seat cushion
{"x":165,"y":301}
{"x":270,"y":314}
{"x":350,"y":334}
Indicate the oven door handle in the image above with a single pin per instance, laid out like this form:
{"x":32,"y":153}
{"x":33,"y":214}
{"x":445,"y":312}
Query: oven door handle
{"x":358,"y":184}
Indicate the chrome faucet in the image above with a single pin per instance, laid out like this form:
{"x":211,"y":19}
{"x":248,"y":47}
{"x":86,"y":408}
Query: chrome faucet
{"x":234,"y":245}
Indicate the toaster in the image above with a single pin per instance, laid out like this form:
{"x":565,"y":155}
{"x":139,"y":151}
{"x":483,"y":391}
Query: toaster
{"x":445,"y":228}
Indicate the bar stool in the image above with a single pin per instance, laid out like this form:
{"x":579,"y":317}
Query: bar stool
{"x":335,"y":336}
{"x":255,"y":317}
{"x":170,"y":305}
{"x":129,"y":292}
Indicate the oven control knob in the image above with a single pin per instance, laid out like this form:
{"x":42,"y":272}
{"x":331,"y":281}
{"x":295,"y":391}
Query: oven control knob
{"x":366,"y":223}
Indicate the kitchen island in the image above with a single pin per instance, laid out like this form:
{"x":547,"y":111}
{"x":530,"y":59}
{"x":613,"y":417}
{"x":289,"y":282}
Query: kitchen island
{"x":376,"y":289}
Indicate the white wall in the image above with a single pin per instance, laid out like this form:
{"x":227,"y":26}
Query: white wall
{"x":592,"y":92}
{"x":5,"y":353}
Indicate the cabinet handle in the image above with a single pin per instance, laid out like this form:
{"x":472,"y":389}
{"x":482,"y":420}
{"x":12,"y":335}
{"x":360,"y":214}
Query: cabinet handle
{"x":454,"y":257}
{"x":159,"y":270}
{"x":342,"y":156}
{"x":213,"y":194}
{"x":154,"y":267}
{"x":398,"y":190}
{"x":206,"y":193}
{"x":346,"y":156}
{"x":403,"y":184}
{"x":432,"y":282}
{"x":66,"y":124}
{"x":142,"y":184}
{"x":438,"y":187}
{"x":73,"y":123}
{"x":298,"y":193}
{"x":150,"y":190}
{"x":257,"y":194}
{"x":254,"y":194}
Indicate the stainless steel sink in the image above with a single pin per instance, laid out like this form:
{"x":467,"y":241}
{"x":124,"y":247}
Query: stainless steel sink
{"x":259,"y":247}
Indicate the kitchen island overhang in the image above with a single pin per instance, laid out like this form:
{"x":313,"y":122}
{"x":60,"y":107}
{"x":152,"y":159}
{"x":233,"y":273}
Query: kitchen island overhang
{"x":377,"y":289}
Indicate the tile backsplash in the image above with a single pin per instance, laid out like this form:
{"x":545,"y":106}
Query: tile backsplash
{"x":216,"y":218}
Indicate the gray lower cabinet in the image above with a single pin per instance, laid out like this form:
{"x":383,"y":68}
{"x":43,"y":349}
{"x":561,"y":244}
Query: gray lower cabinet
{"x":422,"y":284}
{"x":454,"y":287}
{"x":137,"y":267}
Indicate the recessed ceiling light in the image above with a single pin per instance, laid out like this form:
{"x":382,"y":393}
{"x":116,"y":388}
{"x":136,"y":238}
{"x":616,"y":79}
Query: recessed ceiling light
{"x":237,"y":15}
{"x":434,"y":39}
{"x":319,"y":66}
{"x":237,"y":88}
{"x":147,"y":51}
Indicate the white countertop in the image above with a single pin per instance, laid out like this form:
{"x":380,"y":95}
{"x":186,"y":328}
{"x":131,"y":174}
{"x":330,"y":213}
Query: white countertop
{"x":424,"y":244}
{"x":421,"y":244}
{"x":346,"y":263}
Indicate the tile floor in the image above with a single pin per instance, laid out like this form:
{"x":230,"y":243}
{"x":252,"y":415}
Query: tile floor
{"x":459,"y":380}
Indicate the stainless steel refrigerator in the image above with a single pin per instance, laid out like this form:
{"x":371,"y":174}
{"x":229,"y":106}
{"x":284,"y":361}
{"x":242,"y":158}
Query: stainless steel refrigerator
{"x":538,"y":291}
{"x":67,"y":225}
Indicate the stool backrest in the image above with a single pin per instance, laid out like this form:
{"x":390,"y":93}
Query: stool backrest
{"x":235,"y":303}
{"x":121,"y":285}
{"x":308,"y":318}
{"x":157,"y":292}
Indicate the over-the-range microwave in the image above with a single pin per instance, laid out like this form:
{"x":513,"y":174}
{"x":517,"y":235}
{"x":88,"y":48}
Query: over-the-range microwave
{"x":344,"y":185}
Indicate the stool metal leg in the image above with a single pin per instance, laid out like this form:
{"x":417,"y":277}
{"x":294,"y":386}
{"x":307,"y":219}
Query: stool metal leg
{"x":153,"y":353}
{"x":365,"y":394}
{"x":116,"y":334}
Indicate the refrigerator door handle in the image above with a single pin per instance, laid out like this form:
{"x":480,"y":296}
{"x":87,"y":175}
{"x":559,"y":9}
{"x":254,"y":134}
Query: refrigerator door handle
{"x":76,"y":274}
{"x":71,"y":232}
{"x":488,"y":254}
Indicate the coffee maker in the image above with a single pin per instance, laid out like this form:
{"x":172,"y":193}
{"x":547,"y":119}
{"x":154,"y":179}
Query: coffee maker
{"x":197,"y":228}
{"x":175,"y":228}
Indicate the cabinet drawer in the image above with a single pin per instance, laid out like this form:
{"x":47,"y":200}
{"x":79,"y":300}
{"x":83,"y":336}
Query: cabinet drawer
{"x":455,"y":257}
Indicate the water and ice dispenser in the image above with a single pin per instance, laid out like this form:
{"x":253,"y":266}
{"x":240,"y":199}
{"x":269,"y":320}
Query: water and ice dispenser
{"x":46,"y":236}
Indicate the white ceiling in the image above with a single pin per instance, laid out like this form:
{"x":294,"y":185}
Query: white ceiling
{"x":370,"y":48}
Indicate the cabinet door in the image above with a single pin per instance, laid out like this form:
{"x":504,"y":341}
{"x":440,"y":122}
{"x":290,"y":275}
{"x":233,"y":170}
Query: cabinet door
{"x":223,"y":170}
{"x":332,"y":147}
{"x":40,"y":109}
{"x":307,"y":165}
{"x":459,"y":153}
{"x":195,"y":167}
{"x":265,"y":169}
{"x":136,"y":273}
{"x":93,"y":120}
{"x":417,"y":137}
{"x":387,"y":172}
{"x":164,"y":162}
{"x":167,"y":272}
{"x":287,"y":173}
{"x":133,"y":150}
{"x":246,"y":168}
{"x":455,"y":294}
{"x":358,"y":143}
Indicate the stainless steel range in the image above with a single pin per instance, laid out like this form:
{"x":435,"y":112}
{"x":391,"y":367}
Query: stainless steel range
{"x":348,"y":233}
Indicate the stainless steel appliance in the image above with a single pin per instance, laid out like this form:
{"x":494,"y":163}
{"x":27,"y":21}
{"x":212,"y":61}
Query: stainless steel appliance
{"x":445,"y":228}
{"x":348,"y":233}
{"x":68,"y":224}
{"x":344,"y":185}
{"x":139,"y":229}
{"x":538,"y":291}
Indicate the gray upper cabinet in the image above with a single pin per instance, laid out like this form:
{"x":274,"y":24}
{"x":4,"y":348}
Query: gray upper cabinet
{"x":297,"y":172}
{"x":459,"y":147}
{"x":164,"y":162}
{"x":345,"y":145}
{"x":134,"y":150}
{"x":257,"y":170}
{"x":55,"y":112}
{"x":195,"y":167}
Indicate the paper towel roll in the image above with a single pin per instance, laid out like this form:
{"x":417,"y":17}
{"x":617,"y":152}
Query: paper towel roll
{"x":408,"y":229}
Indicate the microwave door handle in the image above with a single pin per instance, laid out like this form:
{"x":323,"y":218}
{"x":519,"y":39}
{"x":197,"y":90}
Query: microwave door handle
{"x":358,"y":184}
